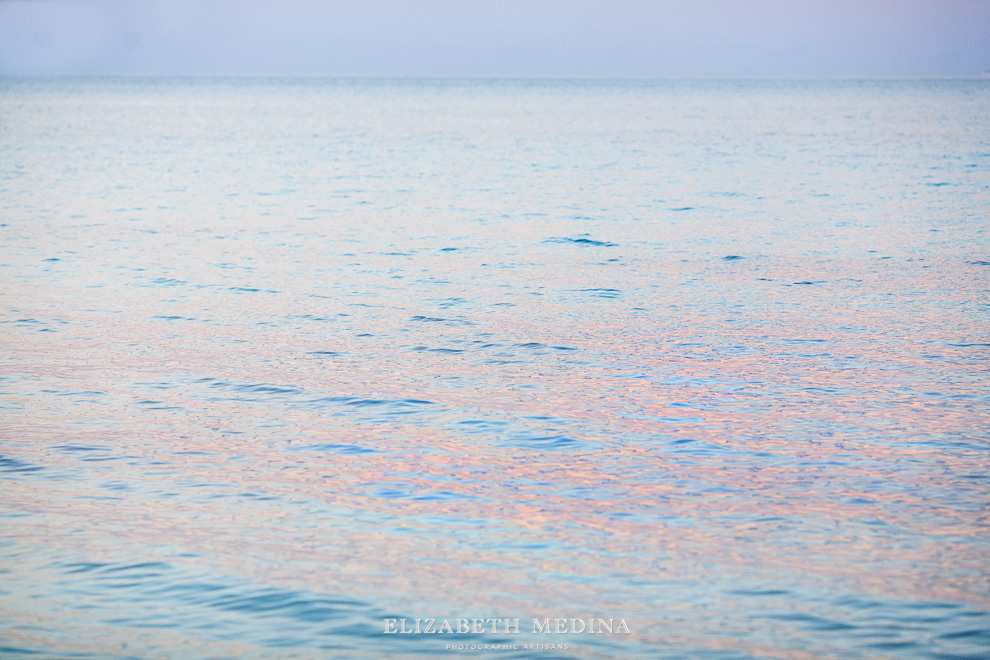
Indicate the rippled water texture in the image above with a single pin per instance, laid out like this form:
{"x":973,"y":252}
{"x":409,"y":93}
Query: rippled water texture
{"x":285,"y":358}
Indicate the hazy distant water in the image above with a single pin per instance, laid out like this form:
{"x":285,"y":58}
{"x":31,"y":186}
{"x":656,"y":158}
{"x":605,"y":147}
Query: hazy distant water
{"x":285,"y":358}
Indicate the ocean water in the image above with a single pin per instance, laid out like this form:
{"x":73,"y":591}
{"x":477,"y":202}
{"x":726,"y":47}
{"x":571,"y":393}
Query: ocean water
{"x":285,"y":361}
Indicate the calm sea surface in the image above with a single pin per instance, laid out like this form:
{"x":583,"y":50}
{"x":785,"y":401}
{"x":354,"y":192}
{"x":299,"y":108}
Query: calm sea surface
{"x":283,"y":359}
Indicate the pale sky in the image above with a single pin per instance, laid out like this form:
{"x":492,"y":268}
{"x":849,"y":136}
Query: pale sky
{"x":613,"y":38}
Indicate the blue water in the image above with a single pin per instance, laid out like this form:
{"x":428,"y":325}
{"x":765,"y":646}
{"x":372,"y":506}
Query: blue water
{"x":287,"y":360}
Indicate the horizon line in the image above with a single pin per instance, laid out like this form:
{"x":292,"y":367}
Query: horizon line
{"x":985,"y":75}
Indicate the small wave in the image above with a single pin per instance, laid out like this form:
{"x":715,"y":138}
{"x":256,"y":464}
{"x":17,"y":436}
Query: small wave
{"x":455,"y":321}
{"x":543,"y":442}
{"x":333,"y":448}
{"x":481,"y":426}
{"x":14,"y":465}
{"x":313,"y":317}
{"x":229,"y":605}
{"x":452,"y":302}
{"x":386,"y":406}
{"x":759,"y":593}
{"x":248,"y":289}
{"x":168,"y":281}
{"x":603,"y":293}
{"x":443,"y":496}
{"x":580,"y":241}
{"x":264,"y":389}
{"x":694,"y":447}
{"x":812,"y":622}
